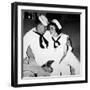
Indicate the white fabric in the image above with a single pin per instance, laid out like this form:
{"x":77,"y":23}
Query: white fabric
{"x":64,"y":66}
{"x":57,"y":54}
{"x":27,"y":40}
{"x":43,"y":20}
{"x":41,"y":55}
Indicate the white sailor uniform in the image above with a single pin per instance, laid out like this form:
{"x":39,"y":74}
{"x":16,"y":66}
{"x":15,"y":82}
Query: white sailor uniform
{"x":32,"y":39}
{"x":62,"y":66}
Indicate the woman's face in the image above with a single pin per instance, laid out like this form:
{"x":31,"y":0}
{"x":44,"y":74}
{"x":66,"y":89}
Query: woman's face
{"x":52,"y":30}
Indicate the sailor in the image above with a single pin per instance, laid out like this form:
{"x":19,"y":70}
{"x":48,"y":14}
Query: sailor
{"x":37,"y":43}
{"x":65,"y":62}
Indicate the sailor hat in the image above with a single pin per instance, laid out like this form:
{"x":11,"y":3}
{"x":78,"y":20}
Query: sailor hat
{"x":43,"y":20}
{"x":57,"y":23}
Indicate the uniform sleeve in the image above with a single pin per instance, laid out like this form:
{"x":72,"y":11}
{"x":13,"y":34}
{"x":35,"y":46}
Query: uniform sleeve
{"x":30,"y":53}
{"x":27,"y":42}
{"x":64,"y":39}
{"x":69,"y":58}
{"x":30,"y":56}
{"x":69,"y":44}
{"x":66,"y":43}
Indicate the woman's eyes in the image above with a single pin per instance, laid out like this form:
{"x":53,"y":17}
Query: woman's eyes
{"x":52,"y":28}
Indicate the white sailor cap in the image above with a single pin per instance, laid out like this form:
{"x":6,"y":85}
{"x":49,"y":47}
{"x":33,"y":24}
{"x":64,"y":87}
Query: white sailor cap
{"x":57,"y":23}
{"x":43,"y":20}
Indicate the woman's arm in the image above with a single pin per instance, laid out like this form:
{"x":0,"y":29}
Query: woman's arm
{"x":69,"y":44}
{"x":66,"y":47}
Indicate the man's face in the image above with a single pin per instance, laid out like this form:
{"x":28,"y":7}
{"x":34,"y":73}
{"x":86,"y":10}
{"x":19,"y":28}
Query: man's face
{"x":41,"y":28}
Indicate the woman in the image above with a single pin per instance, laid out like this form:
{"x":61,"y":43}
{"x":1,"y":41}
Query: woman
{"x":65,"y":62}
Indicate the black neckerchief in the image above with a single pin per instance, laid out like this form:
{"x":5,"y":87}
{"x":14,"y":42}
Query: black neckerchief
{"x":56,"y":42}
{"x":41,"y":40}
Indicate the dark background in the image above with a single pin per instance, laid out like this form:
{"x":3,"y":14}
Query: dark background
{"x":70,"y":25}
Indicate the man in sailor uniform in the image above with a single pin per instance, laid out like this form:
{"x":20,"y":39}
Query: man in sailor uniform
{"x":34,"y":38}
{"x":35,"y":47}
{"x":65,"y":62}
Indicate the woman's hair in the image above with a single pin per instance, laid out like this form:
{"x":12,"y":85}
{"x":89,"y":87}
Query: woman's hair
{"x":58,"y":31}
